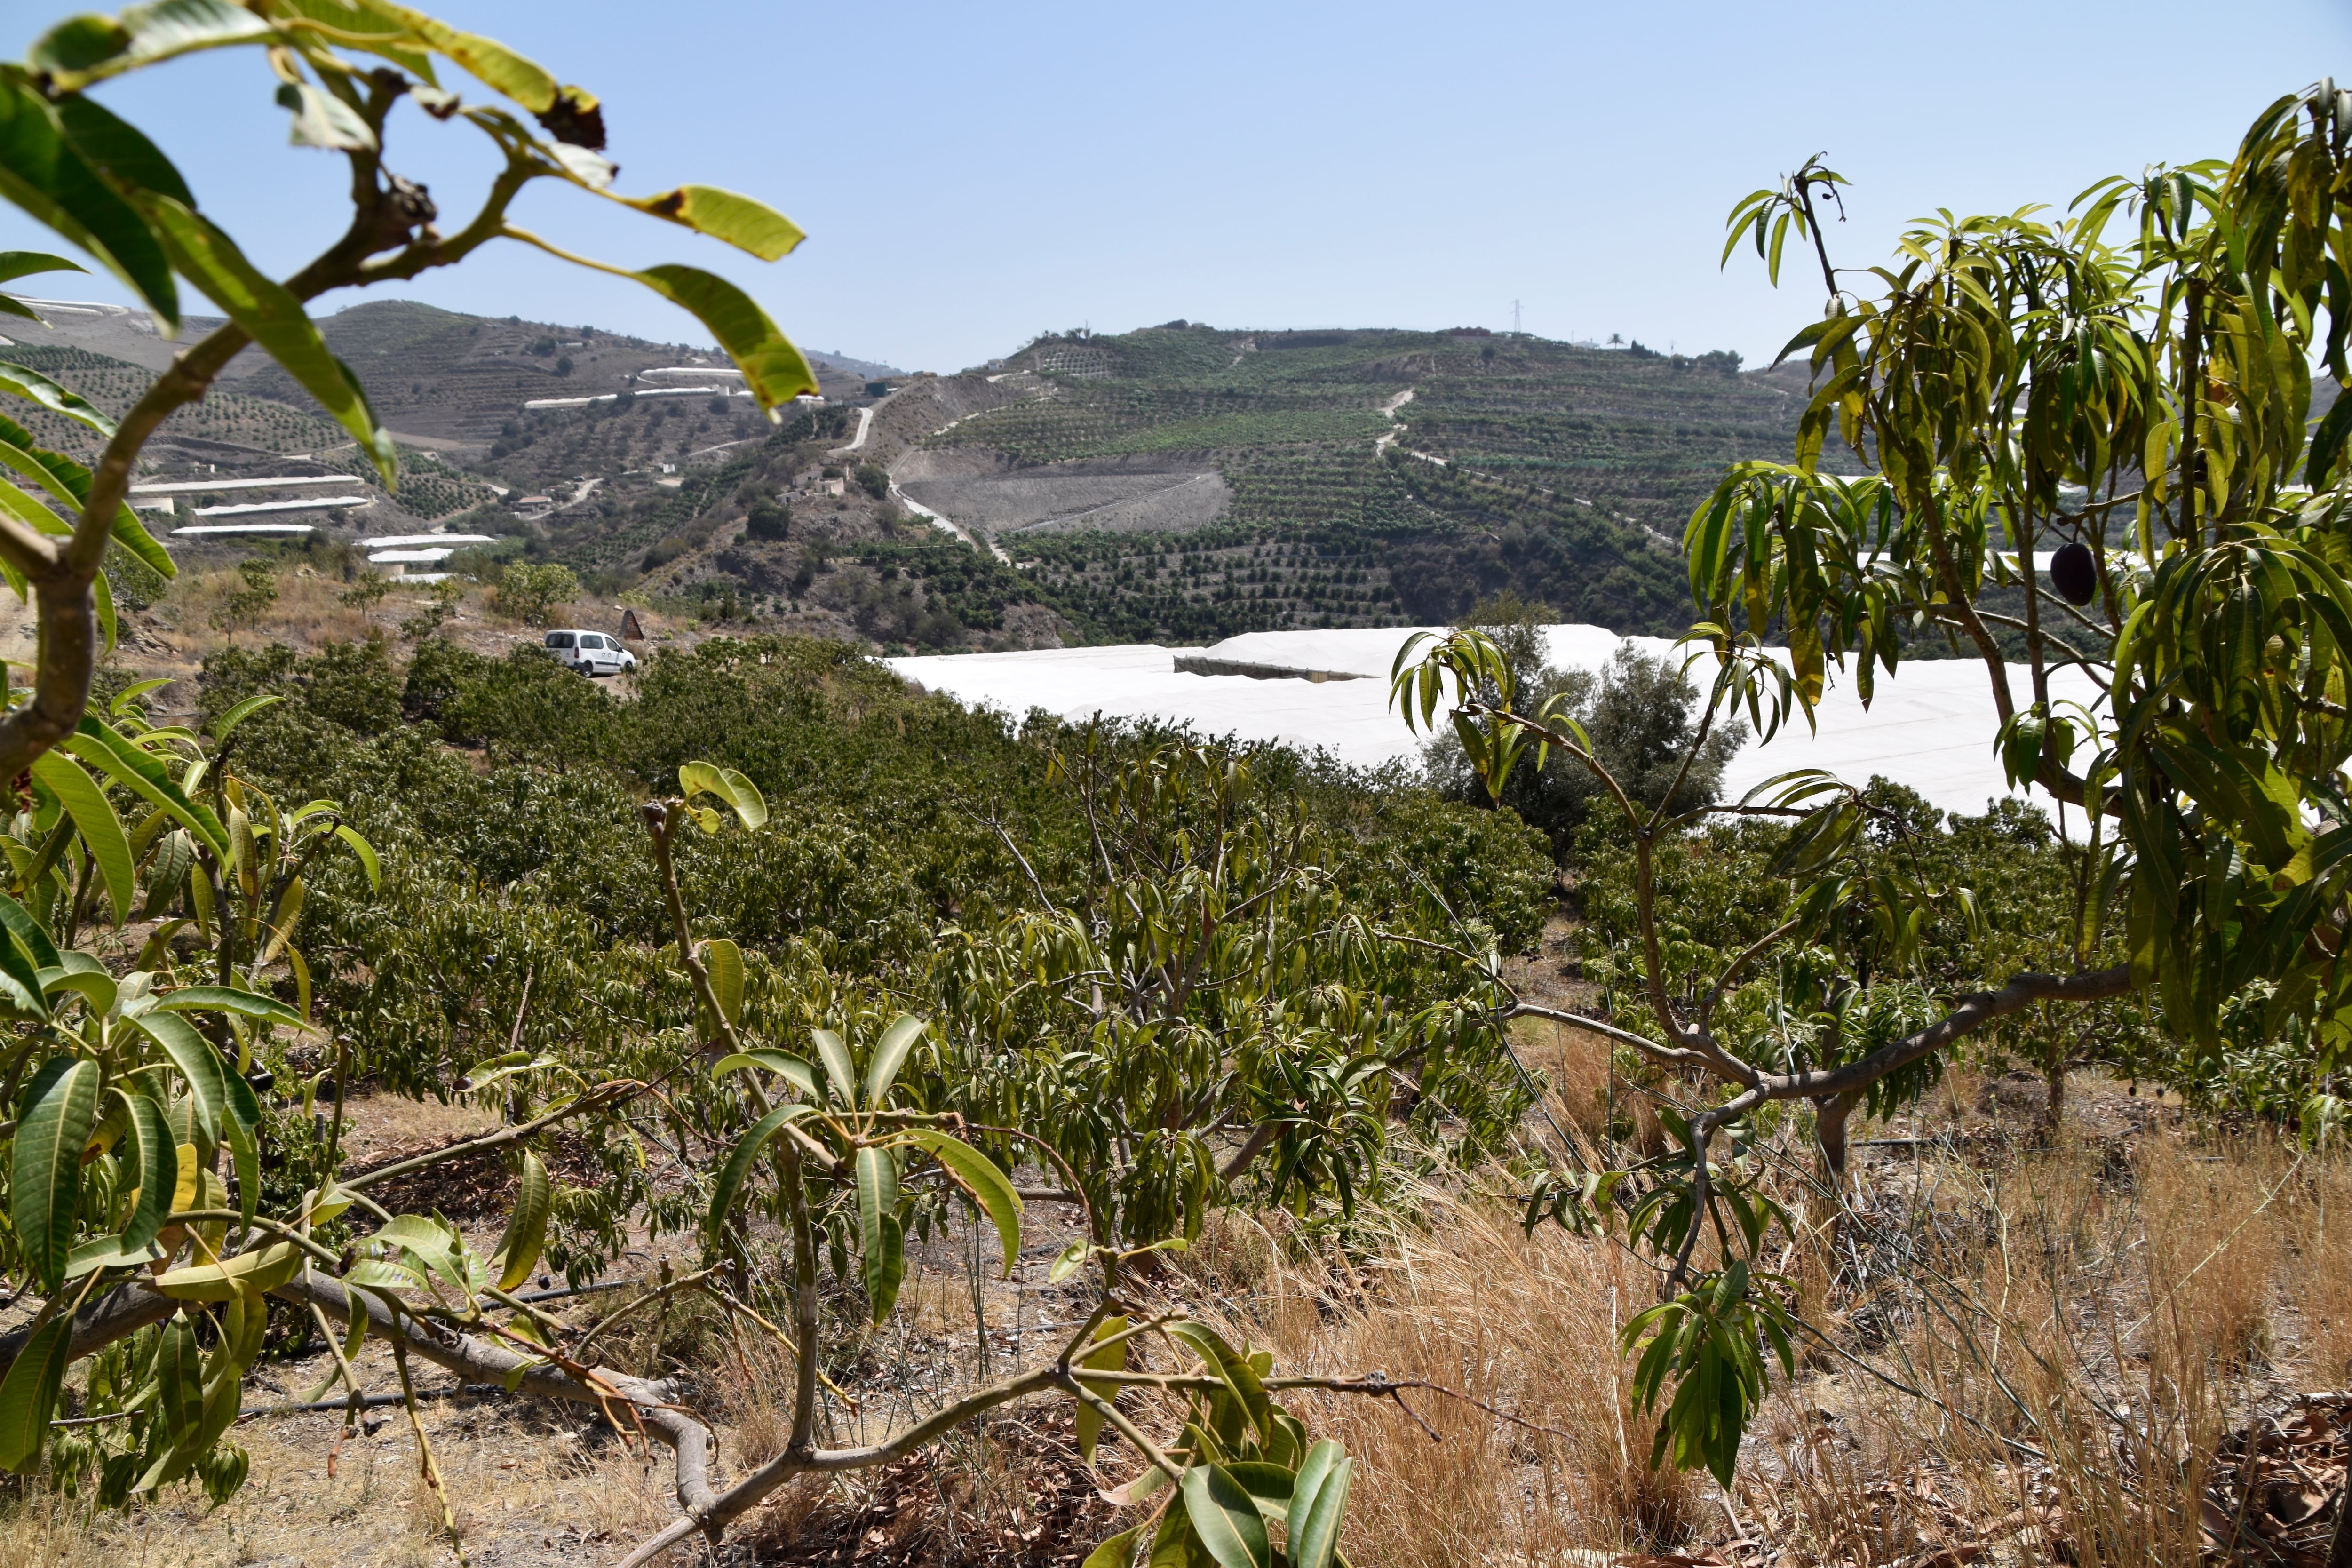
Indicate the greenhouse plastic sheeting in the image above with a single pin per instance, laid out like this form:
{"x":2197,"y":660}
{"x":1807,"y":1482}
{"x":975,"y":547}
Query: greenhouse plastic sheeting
{"x":1930,"y":727}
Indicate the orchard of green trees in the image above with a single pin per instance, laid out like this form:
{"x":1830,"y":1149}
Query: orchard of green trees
{"x":856,"y":958}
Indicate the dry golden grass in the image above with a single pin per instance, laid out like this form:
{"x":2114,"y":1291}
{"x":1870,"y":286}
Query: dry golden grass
{"x":1575,"y":1065}
{"x":2088,"y":1319}
{"x":2322,"y":1293}
{"x":1524,"y":1324}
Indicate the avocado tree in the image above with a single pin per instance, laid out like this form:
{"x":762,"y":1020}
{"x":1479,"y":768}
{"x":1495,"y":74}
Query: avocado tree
{"x":2086,"y":443}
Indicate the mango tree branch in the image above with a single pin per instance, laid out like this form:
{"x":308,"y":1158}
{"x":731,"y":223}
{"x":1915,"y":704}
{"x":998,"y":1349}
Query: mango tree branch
{"x":1972,"y":1012}
{"x":603,"y":1096}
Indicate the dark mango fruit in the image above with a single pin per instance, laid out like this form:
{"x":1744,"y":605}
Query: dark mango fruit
{"x":2074,"y":574}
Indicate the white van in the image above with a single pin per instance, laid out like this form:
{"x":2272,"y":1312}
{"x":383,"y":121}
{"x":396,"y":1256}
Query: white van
{"x":590,"y":653}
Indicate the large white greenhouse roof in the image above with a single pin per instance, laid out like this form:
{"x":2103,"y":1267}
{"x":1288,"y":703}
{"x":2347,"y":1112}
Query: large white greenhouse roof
{"x":1930,"y":727}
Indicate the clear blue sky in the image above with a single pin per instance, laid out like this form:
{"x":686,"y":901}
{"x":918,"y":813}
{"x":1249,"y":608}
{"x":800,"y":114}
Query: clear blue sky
{"x":972,"y":174}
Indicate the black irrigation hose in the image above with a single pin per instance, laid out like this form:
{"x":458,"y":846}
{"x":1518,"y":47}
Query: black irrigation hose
{"x":376,"y":1401}
{"x":579,"y":1290}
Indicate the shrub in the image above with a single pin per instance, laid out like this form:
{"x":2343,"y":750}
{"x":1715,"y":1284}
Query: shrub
{"x":531,"y":593}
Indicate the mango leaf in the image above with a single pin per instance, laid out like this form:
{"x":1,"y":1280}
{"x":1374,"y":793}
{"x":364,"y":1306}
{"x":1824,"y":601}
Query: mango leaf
{"x":1119,"y":1552}
{"x":839,"y":1069}
{"x":120,"y":148}
{"x":526,"y":1233}
{"x":243,"y":1127}
{"x":264,"y":1269}
{"x":1111,"y":1358}
{"x":738,"y":1163}
{"x":322,"y":119}
{"x":722,"y":962}
{"x":154,"y":1162}
{"x":729,"y":786}
{"x":69,"y":483}
{"x":483,"y":1074}
{"x":889,"y":1054}
{"x":882,"y":1246}
{"x":28,"y":1394}
{"x":198,"y":1063}
{"x":30,"y":932}
{"x":41,"y":172}
{"x":179,"y":1381}
{"x":100,"y":827}
{"x":1224,"y":1518}
{"x":1318,"y":1505}
{"x":146,"y":775}
{"x":275,"y":319}
{"x":225,"y":725}
{"x":35,"y":388}
{"x":979,"y":1176}
{"x":358,"y":29}
{"x":741,"y":222}
{"x":82,"y":49}
{"x":228,"y":999}
{"x":488,"y":61}
{"x":20,"y":982}
{"x":366,"y":853}
{"x":773,"y":368}
{"x":15,"y":264}
{"x":60,"y":1107}
{"x":801,"y":1076}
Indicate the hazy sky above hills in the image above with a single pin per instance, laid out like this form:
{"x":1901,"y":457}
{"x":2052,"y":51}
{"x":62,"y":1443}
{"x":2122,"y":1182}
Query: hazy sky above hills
{"x":972,"y":174}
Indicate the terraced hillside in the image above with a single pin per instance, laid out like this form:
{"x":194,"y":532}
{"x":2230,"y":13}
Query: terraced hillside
{"x":1190,"y":483}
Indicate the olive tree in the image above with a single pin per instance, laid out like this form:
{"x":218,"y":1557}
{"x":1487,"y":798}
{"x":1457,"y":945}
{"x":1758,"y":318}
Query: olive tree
{"x":2128,"y":388}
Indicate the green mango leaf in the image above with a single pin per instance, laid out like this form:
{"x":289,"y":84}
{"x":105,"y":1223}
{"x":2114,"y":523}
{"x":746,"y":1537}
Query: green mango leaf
{"x":275,"y":320}
{"x":179,"y":1381}
{"x":69,"y":483}
{"x":35,"y":388}
{"x":28,"y":1394}
{"x":154,"y":1165}
{"x":1318,"y":1506}
{"x":801,"y":1076}
{"x":834,"y":1052}
{"x":100,"y":827}
{"x":879,"y":1234}
{"x":722,"y":962}
{"x":979,"y":1176}
{"x":1225,"y":1519}
{"x":41,"y":172}
{"x":228,"y":999}
{"x":242,"y":1126}
{"x":741,"y":222}
{"x":773,"y":368}
{"x":361,"y":29}
{"x":738,"y":1163}
{"x":120,"y":148}
{"x":1111,"y":1358}
{"x":490,"y":62}
{"x":526,"y":1233}
{"x":889,"y":1054}
{"x":732,"y":788}
{"x":15,"y":264}
{"x":225,"y":725}
{"x":366,"y":853}
{"x":146,"y":775}
{"x":30,"y":932}
{"x":20,"y":982}
{"x":59,"y":1110}
{"x":83,"y":49}
{"x":1119,"y":1552}
{"x":198,"y":1063}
